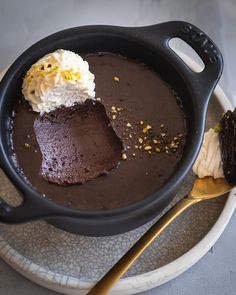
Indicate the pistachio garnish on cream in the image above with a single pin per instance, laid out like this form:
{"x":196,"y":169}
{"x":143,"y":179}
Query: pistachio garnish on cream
{"x":60,"y":78}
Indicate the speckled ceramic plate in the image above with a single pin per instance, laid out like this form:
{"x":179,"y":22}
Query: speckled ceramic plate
{"x":71,"y":264}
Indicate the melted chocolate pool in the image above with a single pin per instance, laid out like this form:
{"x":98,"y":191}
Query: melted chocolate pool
{"x":135,"y":97}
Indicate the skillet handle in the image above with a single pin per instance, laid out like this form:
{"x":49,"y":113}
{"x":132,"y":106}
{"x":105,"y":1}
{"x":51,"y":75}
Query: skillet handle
{"x":202,"y":83}
{"x":32,"y":208}
{"x":27,"y":211}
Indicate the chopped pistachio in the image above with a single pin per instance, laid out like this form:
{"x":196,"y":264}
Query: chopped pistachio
{"x":133,"y":154}
{"x":158,"y":150}
{"x":141,"y":122}
{"x":113,"y":117}
{"x":148,"y":127}
{"x":98,"y":98}
{"x":124,"y":156}
{"x":147,"y":148}
{"x":217,"y":128}
{"x":140,"y":140}
{"x":145,"y":130}
{"x":27,"y":145}
{"x":128,"y":125}
{"x":117,"y":79}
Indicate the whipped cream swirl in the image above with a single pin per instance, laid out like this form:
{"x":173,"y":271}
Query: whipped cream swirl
{"x":209,"y":162}
{"x":58,"y":78}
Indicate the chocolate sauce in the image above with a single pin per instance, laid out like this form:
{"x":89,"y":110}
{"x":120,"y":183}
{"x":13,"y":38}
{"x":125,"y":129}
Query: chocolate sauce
{"x":140,"y":98}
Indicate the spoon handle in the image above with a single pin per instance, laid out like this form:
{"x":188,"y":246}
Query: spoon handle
{"x":117,"y":271}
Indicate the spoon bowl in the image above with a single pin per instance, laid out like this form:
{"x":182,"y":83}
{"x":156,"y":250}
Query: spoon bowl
{"x":209,"y":188}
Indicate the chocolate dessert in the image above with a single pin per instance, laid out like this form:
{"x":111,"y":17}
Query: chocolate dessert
{"x":78,"y":144}
{"x":227,"y":139}
{"x":139,"y":138}
{"x":217,"y":156}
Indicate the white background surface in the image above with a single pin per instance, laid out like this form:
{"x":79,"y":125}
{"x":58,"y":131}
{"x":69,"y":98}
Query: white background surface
{"x":24,"y":22}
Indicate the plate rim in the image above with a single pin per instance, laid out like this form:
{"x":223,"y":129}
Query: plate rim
{"x":134,"y":284}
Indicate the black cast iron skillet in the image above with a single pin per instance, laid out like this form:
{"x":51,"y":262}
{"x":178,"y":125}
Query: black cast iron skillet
{"x":148,"y":45}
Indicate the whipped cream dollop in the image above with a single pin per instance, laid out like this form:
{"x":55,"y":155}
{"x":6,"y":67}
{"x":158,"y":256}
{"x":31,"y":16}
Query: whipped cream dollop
{"x":58,"y":78}
{"x":209,"y":161}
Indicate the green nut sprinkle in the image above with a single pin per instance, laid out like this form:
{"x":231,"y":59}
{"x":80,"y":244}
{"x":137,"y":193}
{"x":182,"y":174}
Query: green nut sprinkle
{"x":26,"y":145}
{"x":217,"y":128}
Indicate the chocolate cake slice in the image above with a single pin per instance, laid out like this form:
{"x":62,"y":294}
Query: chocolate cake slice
{"x":227,"y":137}
{"x":77,"y":143}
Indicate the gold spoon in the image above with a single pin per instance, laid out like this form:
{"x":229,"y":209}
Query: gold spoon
{"x":203,"y":189}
